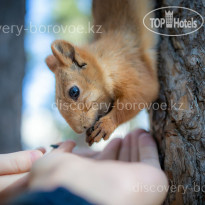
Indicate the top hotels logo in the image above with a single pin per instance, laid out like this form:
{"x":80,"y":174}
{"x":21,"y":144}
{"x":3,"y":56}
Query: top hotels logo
{"x":171,"y":23}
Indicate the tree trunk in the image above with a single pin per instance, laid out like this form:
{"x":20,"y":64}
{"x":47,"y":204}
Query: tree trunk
{"x":12,"y":64}
{"x":180,"y":131}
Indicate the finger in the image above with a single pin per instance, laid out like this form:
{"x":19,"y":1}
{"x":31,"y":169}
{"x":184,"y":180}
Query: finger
{"x":66,"y":146}
{"x":8,"y":180}
{"x":134,"y":156}
{"x":148,"y":150}
{"x":17,"y":184}
{"x":85,"y":152}
{"x":124,"y":154}
{"x":18,"y":162}
{"x":42,"y":149}
{"x":53,"y":158}
{"x":111,"y":151}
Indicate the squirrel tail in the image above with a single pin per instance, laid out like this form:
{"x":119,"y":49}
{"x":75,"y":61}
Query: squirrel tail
{"x":147,"y":39}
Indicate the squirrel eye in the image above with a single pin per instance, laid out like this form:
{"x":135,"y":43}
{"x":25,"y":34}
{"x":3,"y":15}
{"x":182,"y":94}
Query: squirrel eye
{"x":74,"y":92}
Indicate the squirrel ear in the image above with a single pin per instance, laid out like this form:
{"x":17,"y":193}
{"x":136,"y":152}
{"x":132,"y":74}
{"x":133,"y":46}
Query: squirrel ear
{"x":63,"y":51}
{"x":52,"y":62}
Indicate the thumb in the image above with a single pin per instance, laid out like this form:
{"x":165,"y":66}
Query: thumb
{"x":18,"y":162}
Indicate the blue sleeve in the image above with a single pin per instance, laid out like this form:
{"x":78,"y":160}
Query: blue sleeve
{"x":59,"y":196}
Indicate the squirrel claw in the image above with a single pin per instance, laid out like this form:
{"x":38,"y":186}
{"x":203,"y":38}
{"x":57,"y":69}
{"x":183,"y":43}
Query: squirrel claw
{"x":101,"y":130}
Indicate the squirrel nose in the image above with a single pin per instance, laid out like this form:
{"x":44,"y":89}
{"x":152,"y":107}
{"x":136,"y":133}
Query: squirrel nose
{"x":85,"y":127}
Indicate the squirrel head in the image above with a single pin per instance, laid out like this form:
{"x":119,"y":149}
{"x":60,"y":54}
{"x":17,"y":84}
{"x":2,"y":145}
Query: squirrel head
{"x":81,"y":95}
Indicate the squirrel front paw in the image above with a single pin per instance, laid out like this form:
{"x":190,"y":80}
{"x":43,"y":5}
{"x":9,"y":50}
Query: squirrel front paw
{"x":102,"y":129}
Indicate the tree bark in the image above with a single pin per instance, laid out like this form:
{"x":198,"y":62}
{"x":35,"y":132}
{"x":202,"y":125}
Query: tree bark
{"x":12,"y":63}
{"x":180,"y":132}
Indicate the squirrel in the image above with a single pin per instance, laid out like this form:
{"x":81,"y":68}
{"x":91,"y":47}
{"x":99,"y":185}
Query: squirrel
{"x":117,"y":68}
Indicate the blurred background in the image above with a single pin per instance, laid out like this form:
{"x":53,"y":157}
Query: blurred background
{"x":28,"y":115}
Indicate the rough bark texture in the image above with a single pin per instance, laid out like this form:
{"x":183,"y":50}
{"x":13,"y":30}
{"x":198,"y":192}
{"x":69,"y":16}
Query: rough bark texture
{"x":11,"y":75}
{"x":181,"y":132}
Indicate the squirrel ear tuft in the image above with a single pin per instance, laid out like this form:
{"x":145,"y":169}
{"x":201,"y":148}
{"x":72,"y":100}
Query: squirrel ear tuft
{"x":63,"y":51}
{"x":52,"y":63}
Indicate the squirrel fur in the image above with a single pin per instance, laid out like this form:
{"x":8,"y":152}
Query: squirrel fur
{"x":117,"y":68}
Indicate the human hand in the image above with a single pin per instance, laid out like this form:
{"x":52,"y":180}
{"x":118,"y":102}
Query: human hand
{"x":14,"y":170}
{"x":128,"y":149}
{"x":112,"y":181}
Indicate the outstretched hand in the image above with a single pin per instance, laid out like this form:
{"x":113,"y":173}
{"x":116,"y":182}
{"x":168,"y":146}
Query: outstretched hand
{"x":112,"y":176}
{"x":137,"y":146}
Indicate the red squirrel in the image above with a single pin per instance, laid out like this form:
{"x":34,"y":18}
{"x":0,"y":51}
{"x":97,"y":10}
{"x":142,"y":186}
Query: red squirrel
{"x":117,"y":68}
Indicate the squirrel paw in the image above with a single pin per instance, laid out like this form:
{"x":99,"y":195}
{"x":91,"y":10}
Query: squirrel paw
{"x":102,"y":129}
